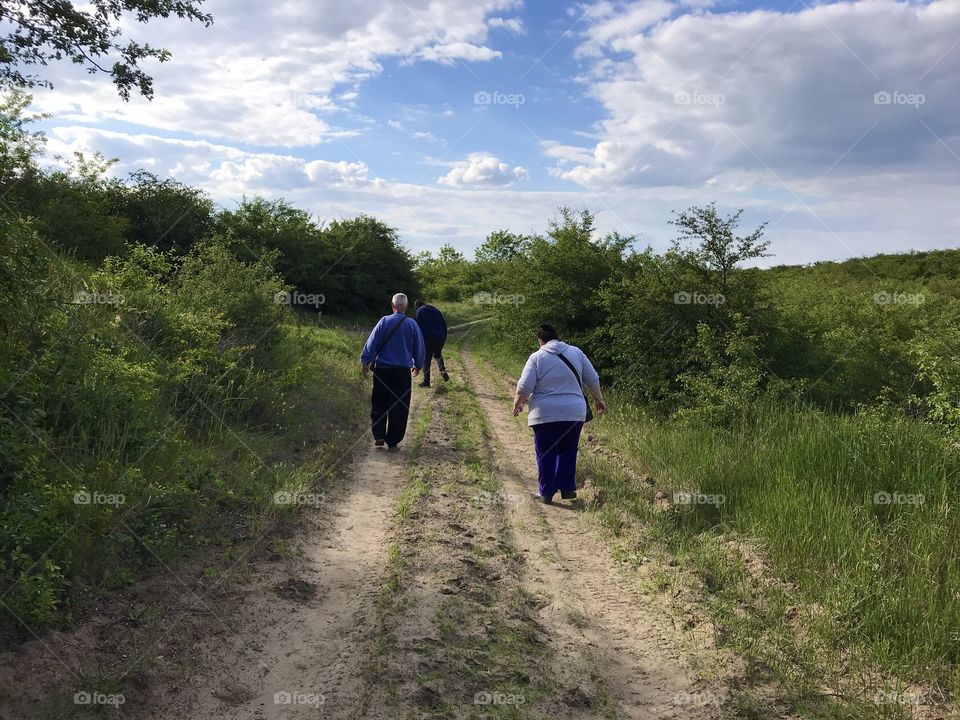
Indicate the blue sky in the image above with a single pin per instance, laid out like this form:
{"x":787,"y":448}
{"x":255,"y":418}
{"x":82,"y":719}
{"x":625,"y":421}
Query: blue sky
{"x":835,"y":122}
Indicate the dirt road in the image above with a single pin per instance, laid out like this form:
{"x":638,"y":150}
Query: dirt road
{"x":431,"y":586}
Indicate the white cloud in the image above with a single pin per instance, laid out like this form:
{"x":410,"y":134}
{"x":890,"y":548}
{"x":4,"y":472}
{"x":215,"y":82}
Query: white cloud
{"x":482,"y":170}
{"x":512,"y":24}
{"x":270,"y":74}
{"x":456,"y":51}
{"x":225,"y":171}
{"x":776,"y":96}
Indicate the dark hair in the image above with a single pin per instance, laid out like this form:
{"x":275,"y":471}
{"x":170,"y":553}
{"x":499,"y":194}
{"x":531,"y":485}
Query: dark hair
{"x":418,"y":303}
{"x":547,"y":332}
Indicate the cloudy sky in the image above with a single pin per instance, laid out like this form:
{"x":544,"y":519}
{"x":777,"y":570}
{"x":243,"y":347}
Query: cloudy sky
{"x":836,"y":122}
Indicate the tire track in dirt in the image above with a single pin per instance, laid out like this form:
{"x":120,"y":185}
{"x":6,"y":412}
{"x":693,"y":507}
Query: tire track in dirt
{"x":593,"y":611}
{"x":302,"y":636}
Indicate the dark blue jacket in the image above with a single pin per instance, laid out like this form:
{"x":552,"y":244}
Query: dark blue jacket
{"x":431,"y":323}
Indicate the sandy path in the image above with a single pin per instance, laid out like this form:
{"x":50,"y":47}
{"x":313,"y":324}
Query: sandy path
{"x":299,"y":645}
{"x":592,"y":609}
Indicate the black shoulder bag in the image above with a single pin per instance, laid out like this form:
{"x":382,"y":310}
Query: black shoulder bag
{"x":579,"y":384}
{"x":387,"y":339}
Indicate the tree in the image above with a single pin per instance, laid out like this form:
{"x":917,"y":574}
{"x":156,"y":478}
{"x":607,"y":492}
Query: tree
{"x":448,"y":276}
{"x":500,"y":245}
{"x":19,"y":146}
{"x":164,"y":214}
{"x":719,"y":251}
{"x":46,"y":30}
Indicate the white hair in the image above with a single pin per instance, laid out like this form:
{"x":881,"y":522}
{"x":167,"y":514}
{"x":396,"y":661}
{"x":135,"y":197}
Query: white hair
{"x":399,"y":300}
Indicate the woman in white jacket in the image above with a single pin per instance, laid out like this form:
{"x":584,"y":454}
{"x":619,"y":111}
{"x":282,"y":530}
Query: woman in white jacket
{"x":552,"y":381}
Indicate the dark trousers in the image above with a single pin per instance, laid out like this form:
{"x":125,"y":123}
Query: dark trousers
{"x":390,"y":403}
{"x":434,"y":350}
{"x":556,"y":444}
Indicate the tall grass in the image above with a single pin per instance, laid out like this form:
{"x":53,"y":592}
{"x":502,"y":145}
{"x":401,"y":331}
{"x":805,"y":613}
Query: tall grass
{"x":813,"y":490}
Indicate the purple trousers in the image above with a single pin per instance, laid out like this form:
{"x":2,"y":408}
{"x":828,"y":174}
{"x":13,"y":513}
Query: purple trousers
{"x":556,"y":444}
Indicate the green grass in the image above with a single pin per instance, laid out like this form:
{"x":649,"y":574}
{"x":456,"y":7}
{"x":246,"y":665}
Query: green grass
{"x":186,"y":491}
{"x":803,"y":484}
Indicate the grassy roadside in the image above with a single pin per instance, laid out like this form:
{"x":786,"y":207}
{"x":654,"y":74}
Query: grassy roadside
{"x":457,"y":634}
{"x":798,"y":571}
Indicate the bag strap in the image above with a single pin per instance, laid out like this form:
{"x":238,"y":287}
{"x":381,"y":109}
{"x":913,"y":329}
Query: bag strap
{"x":389,"y":337}
{"x":575,"y":373}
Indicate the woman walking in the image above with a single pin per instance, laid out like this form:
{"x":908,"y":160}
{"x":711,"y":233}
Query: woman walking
{"x":552,"y":381}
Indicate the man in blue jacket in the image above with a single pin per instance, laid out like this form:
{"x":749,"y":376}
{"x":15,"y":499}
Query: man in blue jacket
{"x":433,"y":326}
{"x":395,"y":352}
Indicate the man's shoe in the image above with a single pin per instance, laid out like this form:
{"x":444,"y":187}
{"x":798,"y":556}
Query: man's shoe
{"x":544,"y":500}
{"x":423,"y":384}
{"x":393,"y":448}
{"x":379,"y":442}
{"x":572,"y":495}
{"x":445,"y":376}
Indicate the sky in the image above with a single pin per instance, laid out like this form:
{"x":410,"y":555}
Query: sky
{"x":837,"y":123}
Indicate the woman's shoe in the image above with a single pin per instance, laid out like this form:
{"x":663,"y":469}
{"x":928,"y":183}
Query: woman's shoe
{"x":544,"y":500}
{"x":379,"y":442}
{"x":572,"y":495}
{"x":445,"y":376}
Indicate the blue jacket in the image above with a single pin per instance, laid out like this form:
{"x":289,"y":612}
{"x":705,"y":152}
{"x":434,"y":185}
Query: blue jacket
{"x":405,"y":349}
{"x":431,"y":322}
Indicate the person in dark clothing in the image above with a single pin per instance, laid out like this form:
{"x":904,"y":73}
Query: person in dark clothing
{"x":433,"y":326}
{"x":395,"y":352}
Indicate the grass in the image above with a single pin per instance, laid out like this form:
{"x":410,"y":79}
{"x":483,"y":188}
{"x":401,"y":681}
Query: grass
{"x":847,"y":580}
{"x":185,"y":492}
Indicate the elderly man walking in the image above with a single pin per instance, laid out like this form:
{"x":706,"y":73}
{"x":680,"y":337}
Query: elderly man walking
{"x":394,"y":351}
